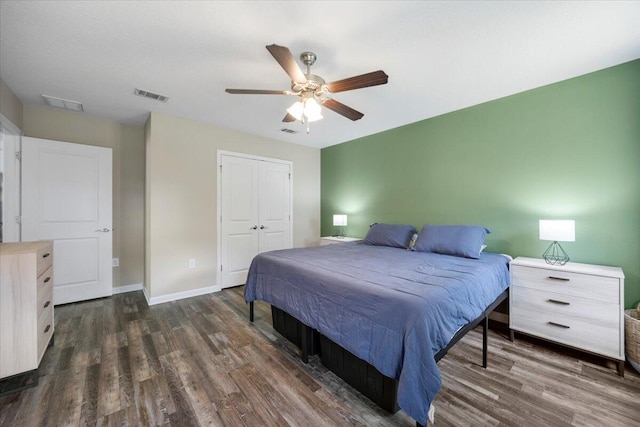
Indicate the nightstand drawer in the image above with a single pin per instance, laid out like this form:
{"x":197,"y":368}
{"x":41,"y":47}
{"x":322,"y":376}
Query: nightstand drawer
{"x":566,"y":329}
{"x":584,"y":310}
{"x":605,"y":289}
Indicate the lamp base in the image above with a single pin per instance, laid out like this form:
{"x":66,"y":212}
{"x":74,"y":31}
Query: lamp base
{"x":555,"y":255}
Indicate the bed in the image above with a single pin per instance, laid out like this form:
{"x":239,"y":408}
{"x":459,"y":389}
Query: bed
{"x":395,"y":309}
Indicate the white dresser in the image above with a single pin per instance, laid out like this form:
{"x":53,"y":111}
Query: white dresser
{"x":332,"y":240}
{"x":578,"y":305}
{"x":26,"y":305}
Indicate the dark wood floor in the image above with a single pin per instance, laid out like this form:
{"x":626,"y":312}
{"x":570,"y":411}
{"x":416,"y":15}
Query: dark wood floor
{"x":199,"y":362}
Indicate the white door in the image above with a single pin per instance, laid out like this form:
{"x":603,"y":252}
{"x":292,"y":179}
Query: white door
{"x":255,"y":213}
{"x":9,"y":181}
{"x":240,"y":215}
{"x":275,"y":210}
{"x":67,"y":197}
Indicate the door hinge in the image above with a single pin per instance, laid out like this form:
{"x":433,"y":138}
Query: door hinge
{"x":18,"y":219}
{"x":220,"y":219}
{"x":220,"y":168}
{"x":220,"y":267}
{"x":289,"y":177}
{"x":19,"y":155}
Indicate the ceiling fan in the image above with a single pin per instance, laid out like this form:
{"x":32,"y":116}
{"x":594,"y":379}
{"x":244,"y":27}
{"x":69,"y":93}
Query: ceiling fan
{"x":312,"y":89}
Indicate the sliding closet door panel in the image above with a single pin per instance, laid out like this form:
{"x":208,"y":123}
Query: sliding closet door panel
{"x":240,"y":214}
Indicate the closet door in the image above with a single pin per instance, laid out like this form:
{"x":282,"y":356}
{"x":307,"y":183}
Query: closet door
{"x":275,"y":209}
{"x":240,"y":216}
{"x":255,"y":213}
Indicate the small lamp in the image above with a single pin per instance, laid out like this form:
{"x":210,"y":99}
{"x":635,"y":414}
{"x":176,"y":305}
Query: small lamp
{"x":340,"y":221}
{"x":557,"y":231}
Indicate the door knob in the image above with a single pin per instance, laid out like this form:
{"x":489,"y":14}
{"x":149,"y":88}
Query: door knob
{"x":255,"y":227}
{"x":262,"y":227}
{"x":103,"y":230}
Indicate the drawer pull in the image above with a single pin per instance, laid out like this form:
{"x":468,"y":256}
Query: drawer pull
{"x":559,"y":325}
{"x":46,"y":255}
{"x":555,"y":301}
{"x":562,"y":279}
{"x":47,"y":279}
{"x":46,"y":304}
{"x":47,"y":329}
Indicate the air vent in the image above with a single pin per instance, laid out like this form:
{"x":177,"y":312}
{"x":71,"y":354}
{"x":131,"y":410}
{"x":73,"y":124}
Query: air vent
{"x":67,"y":104}
{"x":151,"y":95}
{"x":285,"y":130}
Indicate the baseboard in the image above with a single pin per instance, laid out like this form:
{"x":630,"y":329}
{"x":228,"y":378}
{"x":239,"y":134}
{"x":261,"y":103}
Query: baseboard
{"x":146,"y":296}
{"x":127,"y":288}
{"x":180,"y":295}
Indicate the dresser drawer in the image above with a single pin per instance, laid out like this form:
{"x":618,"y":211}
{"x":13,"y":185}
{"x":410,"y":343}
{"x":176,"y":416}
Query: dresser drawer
{"x":45,"y":330}
{"x":605,"y":289}
{"x":44,"y":258}
{"x":45,"y":291}
{"x":583,"y":309}
{"x":568,"y":328}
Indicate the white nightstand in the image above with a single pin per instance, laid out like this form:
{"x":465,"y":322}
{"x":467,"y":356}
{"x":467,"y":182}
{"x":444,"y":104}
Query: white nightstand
{"x":332,"y":240}
{"x":578,"y":305}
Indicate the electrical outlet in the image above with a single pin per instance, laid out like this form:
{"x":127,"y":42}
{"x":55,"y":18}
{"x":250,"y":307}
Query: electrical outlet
{"x":192,"y":263}
{"x":115,"y":262}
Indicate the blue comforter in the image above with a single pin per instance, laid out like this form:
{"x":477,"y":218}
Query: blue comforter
{"x":391,"y":307}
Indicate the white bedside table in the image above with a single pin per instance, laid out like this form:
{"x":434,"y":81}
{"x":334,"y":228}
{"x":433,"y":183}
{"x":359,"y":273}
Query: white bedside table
{"x":578,"y":305}
{"x":332,"y":240}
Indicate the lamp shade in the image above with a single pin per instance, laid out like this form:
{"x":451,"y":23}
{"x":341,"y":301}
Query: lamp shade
{"x":339,"y":220}
{"x":558,"y":230}
{"x":296,"y":110}
{"x":312,"y":110}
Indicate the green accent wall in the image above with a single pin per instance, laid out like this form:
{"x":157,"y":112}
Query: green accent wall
{"x":569,"y":150}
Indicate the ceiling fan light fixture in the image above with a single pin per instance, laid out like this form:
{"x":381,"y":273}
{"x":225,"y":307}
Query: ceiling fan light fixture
{"x":312,"y":110}
{"x":308,"y":109}
{"x":296,"y":110}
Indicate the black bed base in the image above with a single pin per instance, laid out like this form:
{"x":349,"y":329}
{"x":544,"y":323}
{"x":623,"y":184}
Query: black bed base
{"x":356,"y":372}
{"x":294,"y":330}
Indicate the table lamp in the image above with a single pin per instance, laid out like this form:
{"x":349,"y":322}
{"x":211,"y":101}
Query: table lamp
{"x":557,"y":231}
{"x":340,"y":221}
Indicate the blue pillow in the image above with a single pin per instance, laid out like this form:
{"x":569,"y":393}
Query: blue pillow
{"x":394,"y":235}
{"x":459,"y":240}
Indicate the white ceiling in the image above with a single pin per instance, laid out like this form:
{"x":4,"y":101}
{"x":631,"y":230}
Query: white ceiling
{"x":440,"y":56}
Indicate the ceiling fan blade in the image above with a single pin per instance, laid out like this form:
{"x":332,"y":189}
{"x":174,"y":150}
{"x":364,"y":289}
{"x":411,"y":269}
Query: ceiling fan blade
{"x":259,"y":92}
{"x":342,"y":109}
{"x":289,"y":118}
{"x":287,"y":62}
{"x":364,"y":80}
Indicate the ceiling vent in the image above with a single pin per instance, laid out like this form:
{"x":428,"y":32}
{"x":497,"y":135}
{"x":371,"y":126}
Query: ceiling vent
{"x":151,"y":95}
{"x":67,"y":104}
{"x":285,"y":130}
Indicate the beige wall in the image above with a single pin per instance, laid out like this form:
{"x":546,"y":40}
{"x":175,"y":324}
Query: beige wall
{"x":127,"y":143}
{"x":10,"y":105}
{"x":181,"y":198}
